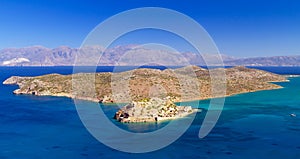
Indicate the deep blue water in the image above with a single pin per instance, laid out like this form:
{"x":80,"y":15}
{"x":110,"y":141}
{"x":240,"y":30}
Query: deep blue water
{"x":252,"y":125}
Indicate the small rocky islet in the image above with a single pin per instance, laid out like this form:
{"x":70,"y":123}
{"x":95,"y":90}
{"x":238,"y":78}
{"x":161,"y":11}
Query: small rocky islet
{"x":152,"y":110}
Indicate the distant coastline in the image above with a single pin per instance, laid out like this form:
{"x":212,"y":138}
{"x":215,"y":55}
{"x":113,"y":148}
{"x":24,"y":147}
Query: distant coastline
{"x":282,"y":70}
{"x":65,"y":56}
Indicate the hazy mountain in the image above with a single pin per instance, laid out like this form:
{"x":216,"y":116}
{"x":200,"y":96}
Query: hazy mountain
{"x":266,"y":61}
{"x":126,"y":55}
{"x":37,"y":56}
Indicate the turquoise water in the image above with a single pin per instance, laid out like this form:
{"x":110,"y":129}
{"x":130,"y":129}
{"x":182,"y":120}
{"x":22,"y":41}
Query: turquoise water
{"x":252,"y":125}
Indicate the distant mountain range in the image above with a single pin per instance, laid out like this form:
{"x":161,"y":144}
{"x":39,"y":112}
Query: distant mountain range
{"x":65,"y":56}
{"x":266,"y":61}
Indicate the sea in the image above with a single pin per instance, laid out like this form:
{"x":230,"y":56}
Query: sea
{"x":255,"y":125}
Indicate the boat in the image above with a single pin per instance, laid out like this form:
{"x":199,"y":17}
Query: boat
{"x":293,"y":115}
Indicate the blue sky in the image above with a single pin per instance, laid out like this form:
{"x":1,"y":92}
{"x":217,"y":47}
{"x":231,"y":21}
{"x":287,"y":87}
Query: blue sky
{"x":241,"y":28}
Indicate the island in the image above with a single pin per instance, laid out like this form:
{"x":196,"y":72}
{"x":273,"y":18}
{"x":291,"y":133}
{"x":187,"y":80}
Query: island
{"x":152,"y":92}
{"x":152,"y":110}
{"x":141,"y":81}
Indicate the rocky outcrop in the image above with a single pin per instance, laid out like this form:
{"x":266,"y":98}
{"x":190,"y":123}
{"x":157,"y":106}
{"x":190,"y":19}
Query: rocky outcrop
{"x":12,"y":80}
{"x":153,"y":110}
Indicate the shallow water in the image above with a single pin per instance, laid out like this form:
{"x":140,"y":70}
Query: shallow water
{"x":252,"y":125}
